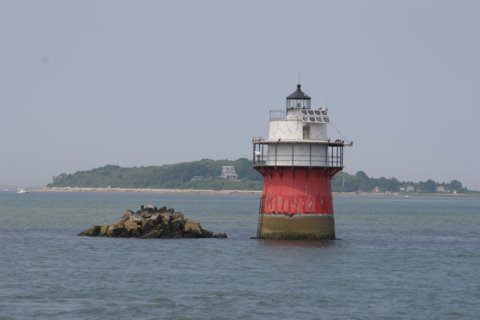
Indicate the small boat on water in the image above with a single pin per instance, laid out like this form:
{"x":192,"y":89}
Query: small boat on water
{"x":21,"y":191}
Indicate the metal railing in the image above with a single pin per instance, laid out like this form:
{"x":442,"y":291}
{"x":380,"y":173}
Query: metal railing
{"x":277,"y":115}
{"x":267,"y":154}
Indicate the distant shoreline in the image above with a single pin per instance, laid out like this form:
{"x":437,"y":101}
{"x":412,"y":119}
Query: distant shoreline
{"x":252,"y":192}
{"x":145,"y":190}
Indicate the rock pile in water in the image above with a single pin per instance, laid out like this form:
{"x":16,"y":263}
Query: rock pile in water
{"x":152,"y":222}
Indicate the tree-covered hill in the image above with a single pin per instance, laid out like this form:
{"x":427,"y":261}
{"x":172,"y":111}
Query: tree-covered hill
{"x":205,"y":174}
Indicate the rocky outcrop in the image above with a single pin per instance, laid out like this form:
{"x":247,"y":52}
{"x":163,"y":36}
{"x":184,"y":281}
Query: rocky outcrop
{"x":152,"y":222}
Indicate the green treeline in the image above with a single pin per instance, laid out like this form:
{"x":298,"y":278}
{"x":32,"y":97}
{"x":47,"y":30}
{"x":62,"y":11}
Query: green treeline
{"x":205,"y":174}
{"x":361,"y":182}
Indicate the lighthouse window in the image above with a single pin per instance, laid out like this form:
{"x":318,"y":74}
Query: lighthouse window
{"x":324,"y":112}
{"x":317,"y":112}
{"x":306,"y":131}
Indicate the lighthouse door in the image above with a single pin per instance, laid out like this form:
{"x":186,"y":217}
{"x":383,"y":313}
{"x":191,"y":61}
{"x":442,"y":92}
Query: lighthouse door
{"x":306,"y":132}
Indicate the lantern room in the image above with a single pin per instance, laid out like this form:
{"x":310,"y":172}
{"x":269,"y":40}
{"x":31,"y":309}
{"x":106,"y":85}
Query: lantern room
{"x":298,"y":100}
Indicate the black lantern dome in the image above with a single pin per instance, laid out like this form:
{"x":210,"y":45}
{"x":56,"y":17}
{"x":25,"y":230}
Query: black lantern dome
{"x":298,"y":99}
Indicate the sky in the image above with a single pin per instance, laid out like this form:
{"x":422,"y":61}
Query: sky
{"x":136,"y":83}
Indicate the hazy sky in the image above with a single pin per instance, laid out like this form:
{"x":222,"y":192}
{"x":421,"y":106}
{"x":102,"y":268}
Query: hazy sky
{"x":136,"y":83}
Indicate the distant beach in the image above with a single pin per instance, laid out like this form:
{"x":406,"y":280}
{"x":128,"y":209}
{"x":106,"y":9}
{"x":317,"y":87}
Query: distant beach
{"x":146,"y":190}
{"x":253,"y":192}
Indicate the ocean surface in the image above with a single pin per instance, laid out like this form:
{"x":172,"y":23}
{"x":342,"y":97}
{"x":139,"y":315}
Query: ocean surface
{"x":396,"y":258}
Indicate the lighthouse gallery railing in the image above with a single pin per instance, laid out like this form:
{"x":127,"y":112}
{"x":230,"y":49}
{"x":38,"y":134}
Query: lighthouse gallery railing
{"x":284,"y":153}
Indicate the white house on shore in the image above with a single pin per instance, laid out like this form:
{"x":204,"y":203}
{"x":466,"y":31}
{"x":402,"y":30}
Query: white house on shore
{"x":228,"y":172}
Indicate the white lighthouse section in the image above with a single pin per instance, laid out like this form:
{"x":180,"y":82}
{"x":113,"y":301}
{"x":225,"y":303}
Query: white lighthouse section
{"x":297,"y":142}
{"x":300,"y":124}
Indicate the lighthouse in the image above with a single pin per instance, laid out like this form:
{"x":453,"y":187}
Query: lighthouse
{"x":298,"y":162}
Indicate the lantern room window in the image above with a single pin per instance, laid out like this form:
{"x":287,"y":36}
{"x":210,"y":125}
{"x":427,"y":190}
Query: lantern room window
{"x":298,"y":104}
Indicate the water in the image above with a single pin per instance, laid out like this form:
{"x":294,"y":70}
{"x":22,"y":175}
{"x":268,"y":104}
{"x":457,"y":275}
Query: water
{"x":398,"y":258}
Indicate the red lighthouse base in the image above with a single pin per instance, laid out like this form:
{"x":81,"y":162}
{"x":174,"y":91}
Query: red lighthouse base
{"x":296,"y":203}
